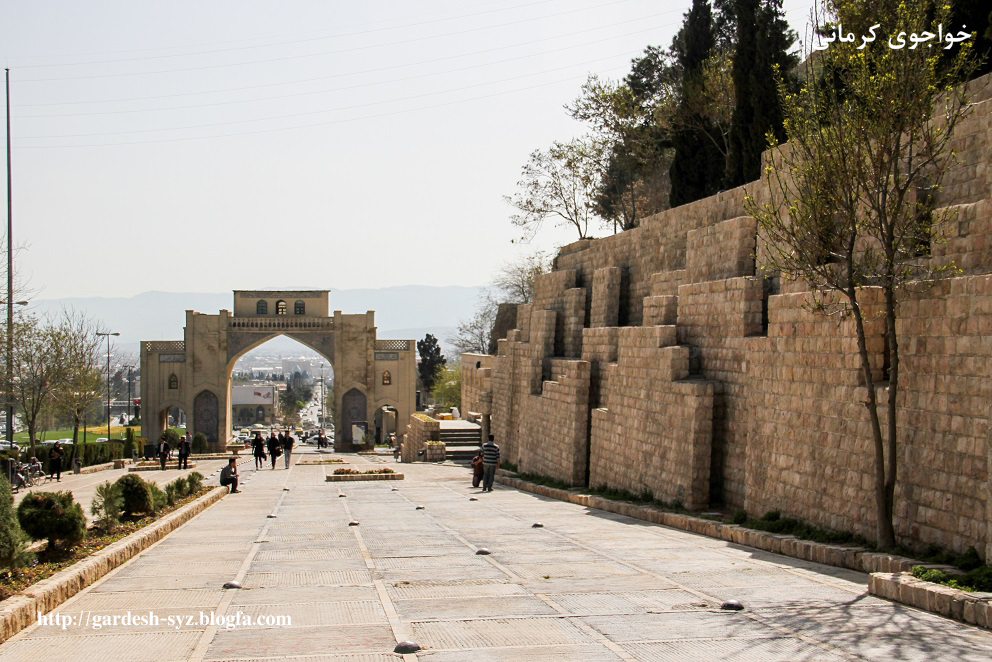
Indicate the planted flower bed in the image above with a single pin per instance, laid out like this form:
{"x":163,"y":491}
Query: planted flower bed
{"x":345,"y":474}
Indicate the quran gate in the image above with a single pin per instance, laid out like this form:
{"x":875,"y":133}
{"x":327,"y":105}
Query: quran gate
{"x":374,"y":380}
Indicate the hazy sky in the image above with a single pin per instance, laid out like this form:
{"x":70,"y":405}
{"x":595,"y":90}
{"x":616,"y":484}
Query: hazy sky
{"x":207,"y":146}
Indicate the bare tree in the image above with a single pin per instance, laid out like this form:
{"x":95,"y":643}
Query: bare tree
{"x":473,"y":335}
{"x":515,"y":280}
{"x":852,"y":196}
{"x":81,"y":379}
{"x":560,"y":184}
{"x":36,"y":369}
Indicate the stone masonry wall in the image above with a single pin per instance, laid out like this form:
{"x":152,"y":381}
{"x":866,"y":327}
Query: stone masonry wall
{"x":422,"y":428}
{"x":653,"y":435}
{"x":659,"y":360}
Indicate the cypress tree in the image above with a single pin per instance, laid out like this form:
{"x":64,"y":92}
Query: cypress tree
{"x":697,"y":165}
{"x":763,"y":39}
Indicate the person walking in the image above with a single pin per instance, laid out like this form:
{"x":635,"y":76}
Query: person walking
{"x":287,"y":447}
{"x":478,"y":469}
{"x":183,"y":452}
{"x":229,"y":475}
{"x":163,"y":451}
{"x":274,"y":450}
{"x":55,"y":461}
{"x":258,"y":450}
{"x":490,"y":462}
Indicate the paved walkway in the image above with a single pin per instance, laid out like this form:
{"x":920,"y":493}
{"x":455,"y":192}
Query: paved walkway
{"x":589,"y":586}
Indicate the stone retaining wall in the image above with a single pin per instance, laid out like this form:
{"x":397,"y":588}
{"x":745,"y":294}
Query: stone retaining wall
{"x":660,"y":359}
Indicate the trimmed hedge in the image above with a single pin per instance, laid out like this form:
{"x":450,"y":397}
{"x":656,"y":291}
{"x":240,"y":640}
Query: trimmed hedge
{"x":89,"y":454}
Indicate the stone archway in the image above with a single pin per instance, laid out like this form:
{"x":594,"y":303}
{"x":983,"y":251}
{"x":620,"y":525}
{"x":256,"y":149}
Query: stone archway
{"x":196,"y":371}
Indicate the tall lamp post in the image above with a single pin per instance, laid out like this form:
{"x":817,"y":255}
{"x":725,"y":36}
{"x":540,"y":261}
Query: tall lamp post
{"x":108,"y":334}
{"x":10,"y":366}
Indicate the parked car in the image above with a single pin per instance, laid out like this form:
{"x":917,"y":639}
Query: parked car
{"x":7,"y":446}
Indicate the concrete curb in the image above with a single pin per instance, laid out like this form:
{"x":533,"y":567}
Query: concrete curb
{"x":19,"y":611}
{"x":841,"y":556}
{"x":973,"y":608}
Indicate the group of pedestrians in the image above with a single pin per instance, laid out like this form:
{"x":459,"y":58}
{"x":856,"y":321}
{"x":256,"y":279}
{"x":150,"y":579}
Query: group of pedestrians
{"x":183,"y":449}
{"x":276,"y":445}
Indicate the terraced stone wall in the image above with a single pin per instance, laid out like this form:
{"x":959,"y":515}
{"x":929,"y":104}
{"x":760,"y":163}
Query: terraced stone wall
{"x":660,"y":359}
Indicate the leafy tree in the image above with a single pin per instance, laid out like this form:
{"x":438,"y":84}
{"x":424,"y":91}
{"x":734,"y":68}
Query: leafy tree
{"x":52,"y":515}
{"x":851,"y":208}
{"x":448,"y":386}
{"x":558,"y":184}
{"x":761,"y":50}
{"x":430,"y":358}
{"x":13,"y":540}
{"x":616,"y":118}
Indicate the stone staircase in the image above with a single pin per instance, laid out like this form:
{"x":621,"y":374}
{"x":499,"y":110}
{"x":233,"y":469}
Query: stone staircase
{"x":461,"y":444}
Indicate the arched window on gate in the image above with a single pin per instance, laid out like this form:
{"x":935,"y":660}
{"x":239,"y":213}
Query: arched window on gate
{"x":387,"y":379}
{"x":299,"y":308}
{"x":280,"y":307}
{"x":173,"y":381}
{"x":262,"y":307}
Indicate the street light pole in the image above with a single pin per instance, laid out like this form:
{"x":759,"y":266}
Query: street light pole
{"x":323,"y":421}
{"x":108,"y":334}
{"x":10,"y":280}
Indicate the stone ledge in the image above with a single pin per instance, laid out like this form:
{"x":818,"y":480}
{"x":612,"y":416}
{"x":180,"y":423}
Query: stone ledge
{"x":842,"y":556}
{"x":973,"y":608}
{"x":352,"y":477}
{"x":19,"y":611}
{"x":157,"y":467}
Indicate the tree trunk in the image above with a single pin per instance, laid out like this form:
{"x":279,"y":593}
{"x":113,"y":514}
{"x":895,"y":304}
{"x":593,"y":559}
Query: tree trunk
{"x":883,"y":518}
{"x":891,"y":414}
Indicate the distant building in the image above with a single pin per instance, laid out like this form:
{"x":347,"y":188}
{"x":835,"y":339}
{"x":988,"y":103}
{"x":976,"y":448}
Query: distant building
{"x":253,"y":404}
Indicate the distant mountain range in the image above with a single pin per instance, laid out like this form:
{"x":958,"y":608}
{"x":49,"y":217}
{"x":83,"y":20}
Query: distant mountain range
{"x":404,"y":312}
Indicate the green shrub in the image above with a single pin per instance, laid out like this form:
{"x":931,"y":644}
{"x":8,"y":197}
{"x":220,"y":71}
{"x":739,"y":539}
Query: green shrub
{"x":199,"y":444}
{"x":740,"y":516}
{"x":181,"y":485}
{"x":170,"y":494}
{"x":129,"y":443}
{"x":52,"y":515}
{"x":976,"y":580}
{"x":195,"y":482}
{"x":13,"y":540}
{"x":106,"y":505}
{"x":159,"y":498}
{"x":136,"y":494}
